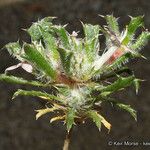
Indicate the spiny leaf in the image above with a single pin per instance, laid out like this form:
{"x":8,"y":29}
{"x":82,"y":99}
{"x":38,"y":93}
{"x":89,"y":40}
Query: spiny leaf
{"x":141,"y":41}
{"x":34,"y":30}
{"x":63,"y":34}
{"x":57,"y":118}
{"x":42,"y":112}
{"x":76,"y":43}
{"x":95,"y":117}
{"x":91,"y":40}
{"x":90,"y":31}
{"x":14,"y":49}
{"x":36,"y":57}
{"x":122,"y":82}
{"x":137,"y":84}
{"x":105,"y":123}
{"x":17,"y":80}
{"x":112,"y":24}
{"x":92,"y":48}
{"x":65,"y":57}
{"x":135,"y":23}
{"x":110,"y":74}
{"x":37,"y":94}
{"x":120,"y":105}
{"x":70,"y":118}
{"x":50,"y":43}
{"x":98,"y":119}
{"x":128,"y":109}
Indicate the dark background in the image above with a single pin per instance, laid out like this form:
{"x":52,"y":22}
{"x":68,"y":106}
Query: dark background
{"x":18,"y":128}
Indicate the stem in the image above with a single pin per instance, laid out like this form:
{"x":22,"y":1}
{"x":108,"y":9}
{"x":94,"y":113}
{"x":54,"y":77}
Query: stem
{"x":67,"y":140}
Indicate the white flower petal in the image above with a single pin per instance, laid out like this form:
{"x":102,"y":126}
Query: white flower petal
{"x":27,"y":67}
{"x":13,"y":67}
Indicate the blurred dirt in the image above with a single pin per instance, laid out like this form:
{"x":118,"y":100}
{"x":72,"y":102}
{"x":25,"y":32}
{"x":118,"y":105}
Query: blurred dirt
{"x":18,"y":128}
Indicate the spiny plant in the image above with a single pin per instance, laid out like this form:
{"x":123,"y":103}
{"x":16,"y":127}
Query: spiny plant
{"x":76,"y":70}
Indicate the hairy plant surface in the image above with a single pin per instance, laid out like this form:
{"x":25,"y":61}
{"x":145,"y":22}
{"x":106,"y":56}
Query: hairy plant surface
{"x":77,"y":69}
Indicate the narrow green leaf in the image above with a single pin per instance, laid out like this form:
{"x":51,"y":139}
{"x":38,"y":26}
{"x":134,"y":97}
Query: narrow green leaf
{"x":14,"y":49}
{"x":76,"y":43}
{"x":65,"y":57}
{"x":137,"y":84}
{"x":34,"y":30}
{"x":91,"y":40}
{"x":98,"y":119}
{"x":141,"y":41}
{"x":90,"y":31}
{"x":95,"y":117}
{"x":122,"y":82}
{"x":112,"y":24}
{"x":17,"y":80}
{"x":37,"y":94}
{"x":110,"y":74}
{"x":70,"y":118}
{"x":50,"y":43}
{"x":128,"y":109}
{"x":134,"y":24}
{"x":63,"y":34}
{"x":38,"y":59}
{"x":121,"y":106}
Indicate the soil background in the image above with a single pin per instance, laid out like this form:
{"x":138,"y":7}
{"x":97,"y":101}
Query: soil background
{"x":18,"y":128}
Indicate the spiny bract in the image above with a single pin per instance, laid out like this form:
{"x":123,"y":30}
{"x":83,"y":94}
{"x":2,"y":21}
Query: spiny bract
{"x":74,"y":68}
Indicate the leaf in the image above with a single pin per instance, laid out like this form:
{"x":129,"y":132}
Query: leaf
{"x":95,"y":117}
{"x":17,"y":80}
{"x":91,"y":40}
{"x":122,"y":82}
{"x":76,"y":43}
{"x":34,"y":30}
{"x":137,"y":84}
{"x":98,"y":119}
{"x":37,"y":58}
{"x":120,"y":105}
{"x":14,"y":49}
{"x":42,"y":112}
{"x":65,"y":57}
{"x":50,"y":43}
{"x":141,"y":41}
{"x":70,"y":118}
{"x":128,"y":109}
{"x":106,"y":123}
{"x":112,"y":24}
{"x":135,"y":23}
{"x":63,"y":34}
{"x":90,"y":31}
{"x":57,"y":118}
{"x":37,"y":94}
{"x":113,"y":73}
